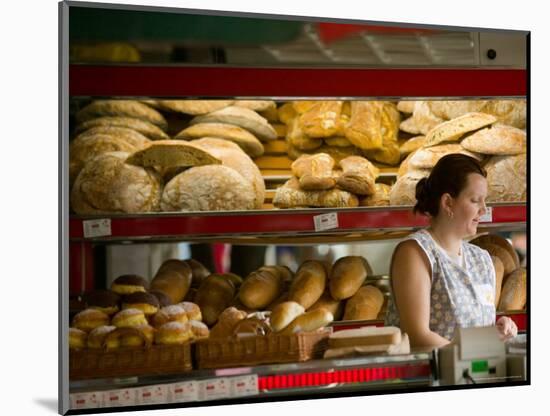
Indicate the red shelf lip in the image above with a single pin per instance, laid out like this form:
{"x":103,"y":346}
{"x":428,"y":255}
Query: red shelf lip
{"x":276,"y":222}
{"x":209,"y":81}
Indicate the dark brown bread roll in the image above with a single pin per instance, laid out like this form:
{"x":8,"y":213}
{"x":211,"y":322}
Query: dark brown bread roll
{"x":198,"y":272}
{"x":129,"y":283}
{"x":145,"y":302}
{"x":173,"y":279}
{"x":106,"y":301}
{"x":214,"y":295}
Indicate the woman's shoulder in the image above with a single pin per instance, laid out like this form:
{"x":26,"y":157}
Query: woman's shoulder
{"x":476,"y":250}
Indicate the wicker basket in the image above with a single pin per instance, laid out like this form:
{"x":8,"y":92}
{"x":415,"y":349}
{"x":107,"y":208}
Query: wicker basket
{"x":267,"y":349}
{"x":125,"y":362}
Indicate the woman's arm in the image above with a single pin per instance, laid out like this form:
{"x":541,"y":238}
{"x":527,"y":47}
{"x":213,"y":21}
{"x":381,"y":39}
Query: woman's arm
{"x":411,"y":283}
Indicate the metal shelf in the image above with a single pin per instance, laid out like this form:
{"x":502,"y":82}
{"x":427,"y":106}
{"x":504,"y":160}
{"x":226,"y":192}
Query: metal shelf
{"x":259,"y":226}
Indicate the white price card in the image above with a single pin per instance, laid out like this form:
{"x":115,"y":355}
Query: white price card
{"x":97,"y":228}
{"x":123,"y":397}
{"x":153,"y":394}
{"x":244,"y":385}
{"x":488,"y":217}
{"x":213,"y":389}
{"x":326,"y":221}
{"x":86,"y":400}
{"x":187,"y":391}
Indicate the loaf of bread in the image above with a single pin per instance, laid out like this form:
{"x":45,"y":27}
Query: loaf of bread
{"x":337,"y":141}
{"x":233,"y":157}
{"x":426,"y":158}
{"x":133,"y":137}
{"x":365,"y":336}
{"x":389,"y":154}
{"x":380,"y":197}
{"x":371,"y":122}
{"x":336,"y":152}
{"x":208,"y":188}
{"x":226,"y":322}
{"x":358,"y":175}
{"x":499,"y":277}
{"x":507,"y":178}
{"x":147,"y":129}
{"x":194,"y":107}
{"x":260,"y":288}
{"x":403,"y":191}
{"x":198,"y":271}
{"x":107,"y":184}
{"x":365,"y":304}
{"x":321,"y":119}
{"x":284,"y":313}
{"x":411,"y":145}
{"x":497,"y":140}
{"x":296,"y":137}
{"x":502,"y":242}
{"x":213,"y":297}
{"x":257,"y":105}
{"x":287,"y":113}
{"x":335,"y":307}
{"x":422,"y":119}
{"x":514,"y":291}
{"x":290,"y":196}
{"x":314,"y":172}
{"x":406,"y":106}
{"x":243,"y":138}
{"x":348,"y":275}
{"x":171,"y":154}
{"x":308,"y":284}
{"x":453,"y":130}
{"x":243,"y":117}
{"x":173,"y":279}
{"x":121,"y":108}
{"x":86,"y":147}
{"x":309,"y":321}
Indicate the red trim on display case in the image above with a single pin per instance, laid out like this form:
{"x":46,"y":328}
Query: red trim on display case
{"x":184,"y":81}
{"x":276,"y":222}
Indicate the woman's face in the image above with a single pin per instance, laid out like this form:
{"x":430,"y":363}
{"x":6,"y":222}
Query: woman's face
{"x":470,"y":205}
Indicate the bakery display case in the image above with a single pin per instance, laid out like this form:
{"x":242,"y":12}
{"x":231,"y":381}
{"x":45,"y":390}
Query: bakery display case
{"x":224,"y":150}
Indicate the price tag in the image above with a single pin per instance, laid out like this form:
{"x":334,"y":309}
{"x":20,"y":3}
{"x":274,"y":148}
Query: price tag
{"x":97,"y":228}
{"x":86,"y":400}
{"x":153,"y":394}
{"x":214,"y":389}
{"x":244,"y":385}
{"x":124,"y":397}
{"x":488,"y":217}
{"x":326,"y":221}
{"x":187,"y":391}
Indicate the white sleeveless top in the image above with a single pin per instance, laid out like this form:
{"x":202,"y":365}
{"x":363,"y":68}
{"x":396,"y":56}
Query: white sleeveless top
{"x":461,"y":295}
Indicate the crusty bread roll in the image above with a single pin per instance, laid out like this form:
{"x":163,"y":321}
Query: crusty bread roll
{"x":514,"y":291}
{"x":260,"y":288}
{"x":199,"y":329}
{"x":321,"y":119}
{"x":336,"y":152}
{"x":106,"y":301}
{"x":192,"y":310}
{"x":348,"y":274}
{"x":174,"y":333}
{"x":256,"y":105}
{"x":335,"y":307}
{"x":226,"y":322}
{"x":454,"y":129}
{"x":411,"y":145}
{"x":173,"y":279}
{"x":233,"y":157}
{"x":373,"y":124}
{"x":171,"y":313}
{"x":380,"y":197}
{"x":422,"y":119}
{"x":171,"y":154}
{"x":145,"y":302}
{"x":121,"y":108}
{"x":427,"y":158}
{"x":314,"y":172}
{"x":308,"y":284}
{"x":284,"y":313}
{"x":406,"y":106}
{"x":507,"y":178}
{"x":365,"y":304}
{"x":290,"y":195}
{"x":359,"y":175}
{"x":309,"y":321}
{"x":77,"y":339}
{"x":296,"y":137}
{"x":128,"y":318}
{"x":243,"y":117}
{"x":107,"y":184}
{"x":135,"y":138}
{"x":149,"y":130}
{"x":499,"y":277}
{"x":243,"y":138}
{"x":198,"y":271}
{"x":213,"y":297}
{"x":208,"y":188}
{"x":403,"y":191}
{"x":89,"y":319}
{"x":129,"y":283}
{"x":96,"y":338}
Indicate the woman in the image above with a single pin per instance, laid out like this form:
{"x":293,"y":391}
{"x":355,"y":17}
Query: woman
{"x":439,"y":281}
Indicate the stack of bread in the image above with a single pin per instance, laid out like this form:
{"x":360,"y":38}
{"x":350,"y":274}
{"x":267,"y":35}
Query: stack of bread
{"x":500,"y":148}
{"x":367,"y":340}
{"x":342,"y":129}
{"x":136,"y":313}
{"x":511,"y":279}
{"x":316,"y":183}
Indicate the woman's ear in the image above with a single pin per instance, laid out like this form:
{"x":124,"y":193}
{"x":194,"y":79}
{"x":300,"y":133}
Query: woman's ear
{"x":446,"y":204}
